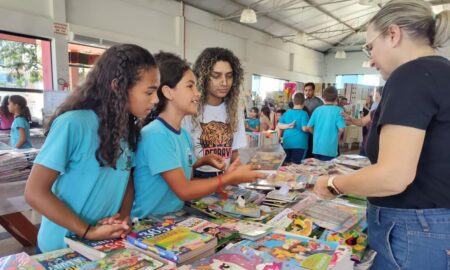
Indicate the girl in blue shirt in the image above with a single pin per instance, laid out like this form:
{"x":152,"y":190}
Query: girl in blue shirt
{"x":253,"y":124}
{"x":80,"y":179}
{"x":20,"y":128}
{"x":165,"y":159}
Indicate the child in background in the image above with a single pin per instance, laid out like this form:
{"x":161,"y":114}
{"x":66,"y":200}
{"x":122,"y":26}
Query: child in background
{"x":165,"y":159}
{"x":264,"y":117}
{"x":6,"y":117}
{"x":80,"y":179}
{"x":20,"y":128}
{"x":327,"y":124}
{"x":293,"y":123}
{"x":253,"y":124}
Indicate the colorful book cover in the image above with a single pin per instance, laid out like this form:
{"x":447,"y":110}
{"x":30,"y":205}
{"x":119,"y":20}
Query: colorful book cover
{"x":169,"y":242}
{"x":242,"y":257}
{"x":199,"y":225}
{"x":62,"y":259}
{"x":270,"y":161}
{"x":357,"y":241}
{"x":293,"y":222}
{"x":103,"y":246}
{"x":124,"y":259}
{"x":19,"y":261}
{"x":296,"y":250}
{"x":247,"y":229}
{"x":249,"y":209}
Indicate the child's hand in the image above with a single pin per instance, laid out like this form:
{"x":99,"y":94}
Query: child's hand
{"x":244,"y":174}
{"x":233,"y":166}
{"x":107,"y":231}
{"x":216,"y":161}
{"x":116,"y":219}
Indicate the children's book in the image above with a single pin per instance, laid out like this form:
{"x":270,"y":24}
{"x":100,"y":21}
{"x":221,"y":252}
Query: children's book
{"x":124,"y":259}
{"x":296,"y":250}
{"x":249,"y":209}
{"x":19,"y":261}
{"x":172,"y":242}
{"x":268,"y":161}
{"x":242,"y":257}
{"x":62,"y":259}
{"x":357,"y":241}
{"x":94,"y":250}
{"x":293,"y":222}
{"x":247,"y":229}
{"x":223,"y":234}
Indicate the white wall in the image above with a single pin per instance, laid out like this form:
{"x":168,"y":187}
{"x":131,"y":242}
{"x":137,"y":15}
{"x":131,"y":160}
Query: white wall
{"x":350,"y":65}
{"x":158,"y":25}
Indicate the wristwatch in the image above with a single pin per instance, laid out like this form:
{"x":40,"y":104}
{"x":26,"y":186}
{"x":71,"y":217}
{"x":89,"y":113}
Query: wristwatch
{"x":330,"y":186}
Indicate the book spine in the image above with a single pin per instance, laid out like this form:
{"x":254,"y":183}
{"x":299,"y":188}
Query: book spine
{"x":155,"y":249}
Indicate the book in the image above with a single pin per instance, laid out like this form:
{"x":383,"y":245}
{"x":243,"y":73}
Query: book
{"x":62,"y":259}
{"x":296,"y":250}
{"x":268,"y":161}
{"x":293,"y":222}
{"x":357,"y":241}
{"x":124,"y":259}
{"x":242,"y":257}
{"x":171,"y":242}
{"x":94,"y":250}
{"x":20,"y":261}
{"x":223,"y":234}
{"x":247,"y":229}
{"x":249,"y":209}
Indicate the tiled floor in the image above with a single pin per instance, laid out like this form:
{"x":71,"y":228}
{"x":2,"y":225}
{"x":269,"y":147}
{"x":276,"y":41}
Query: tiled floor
{"x":8,"y":245}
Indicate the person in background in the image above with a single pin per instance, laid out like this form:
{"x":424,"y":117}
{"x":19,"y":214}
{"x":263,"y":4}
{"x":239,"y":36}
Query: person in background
{"x":6,"y":117}
{"x":218,"y":127}
{"x":408,"y":183}
{"x":327,"y":124}
{"x":342,"y":102}
{"x":81,"y":179}
{"x":293,"y":123}
{"x":264,"y":117}
{"x":253,"y":124}
{"x":311,"y":103}
{"x":20,"y":128}
{"x":165,"y":160}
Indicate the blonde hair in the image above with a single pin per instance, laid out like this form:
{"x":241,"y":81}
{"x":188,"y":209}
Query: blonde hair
{"x":417,"y":18}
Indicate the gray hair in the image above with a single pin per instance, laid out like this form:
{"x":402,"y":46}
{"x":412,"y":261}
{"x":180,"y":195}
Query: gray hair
{"x":417,"y":19}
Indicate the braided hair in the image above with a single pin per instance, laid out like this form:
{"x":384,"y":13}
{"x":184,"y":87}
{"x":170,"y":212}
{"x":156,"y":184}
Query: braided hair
{"x":105,"y":91}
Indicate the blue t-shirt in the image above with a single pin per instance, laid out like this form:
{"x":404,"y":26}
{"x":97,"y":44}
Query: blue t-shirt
{"x":295,"y":138}
{"x":253,"y":123}
{"x":326,"y":120}
{"x":161,"y":149}
{"x":90,"y":191}
{"x":20,"y":122}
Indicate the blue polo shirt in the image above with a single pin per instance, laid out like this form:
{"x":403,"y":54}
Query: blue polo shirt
{"x":295,"y":138}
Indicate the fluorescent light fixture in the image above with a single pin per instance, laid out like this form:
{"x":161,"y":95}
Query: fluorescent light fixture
{"x":365,"y":64}
{"x":340,"y":54}
{"x":248,"y":15}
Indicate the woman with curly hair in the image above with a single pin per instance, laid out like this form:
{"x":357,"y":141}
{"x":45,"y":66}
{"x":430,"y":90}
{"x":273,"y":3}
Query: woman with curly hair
{"x":80,"y":179}
{"x":218,"y":127}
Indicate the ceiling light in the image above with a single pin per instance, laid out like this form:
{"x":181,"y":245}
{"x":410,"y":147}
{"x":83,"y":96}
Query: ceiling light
{"x":365,"y":64}
{"x":248,"y":15}
{"x":340,"y":54}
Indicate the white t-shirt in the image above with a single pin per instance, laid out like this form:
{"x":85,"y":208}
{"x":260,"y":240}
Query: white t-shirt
{"x":213,"y":134}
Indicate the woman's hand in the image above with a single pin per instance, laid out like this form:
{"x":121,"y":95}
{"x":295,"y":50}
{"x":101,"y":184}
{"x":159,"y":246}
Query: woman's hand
{"x":347,"y":118}
{"x":321,"y":189}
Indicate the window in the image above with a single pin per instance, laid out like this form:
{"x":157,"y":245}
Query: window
{"x":262,"y":85}
{"x":363,"y":79}
{"x":25,"y":62}
{"x":81,"y":60}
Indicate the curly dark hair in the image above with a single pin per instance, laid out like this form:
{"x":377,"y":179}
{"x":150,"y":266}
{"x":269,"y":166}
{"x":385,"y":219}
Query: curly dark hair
{"x":4,"y":107}
{"x":122,"y":65}
{"x":202,"y":69}
{"x":171,"y":69}
{"x":22,"y":102}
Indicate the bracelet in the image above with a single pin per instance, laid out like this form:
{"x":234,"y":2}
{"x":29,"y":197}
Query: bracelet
{"x":85,"y":232}
{"x":220,"y":190}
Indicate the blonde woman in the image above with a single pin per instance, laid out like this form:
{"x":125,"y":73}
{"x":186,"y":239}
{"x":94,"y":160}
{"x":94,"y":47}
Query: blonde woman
{"x":408,"y":185}
{"x":218,"y":128}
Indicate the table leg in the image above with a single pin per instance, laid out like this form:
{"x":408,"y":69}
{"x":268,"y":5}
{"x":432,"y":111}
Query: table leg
{"x":21,"y":228}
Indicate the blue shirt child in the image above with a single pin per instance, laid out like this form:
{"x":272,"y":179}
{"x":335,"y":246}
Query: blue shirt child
{"x":20,"y":122}
{"x":90,"y":191}
{"x":326,"y":121}
{"x":253,"y":122}
{"x":161,"y":149}
{"x":295,"y":138}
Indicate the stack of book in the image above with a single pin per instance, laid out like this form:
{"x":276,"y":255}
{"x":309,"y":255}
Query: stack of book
{"x":15,"y":165}
{"x":94,"y":250}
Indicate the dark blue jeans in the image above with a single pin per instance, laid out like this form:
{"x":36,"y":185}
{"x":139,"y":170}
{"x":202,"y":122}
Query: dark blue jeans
{"x":322,"y":157}
{"x":409,"y":238}
{"x":294,"y":155}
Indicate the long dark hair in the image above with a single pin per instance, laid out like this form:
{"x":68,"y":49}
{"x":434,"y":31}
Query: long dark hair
{"x":202,"y":69}
{"x":266,"y":111}
{"x":121,"y":66}
{"x":171,"y":69}
{"x":4,"y":107}
{"x":22,"y":102}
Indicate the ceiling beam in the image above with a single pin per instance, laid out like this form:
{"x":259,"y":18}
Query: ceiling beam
{"x":326,"y":12}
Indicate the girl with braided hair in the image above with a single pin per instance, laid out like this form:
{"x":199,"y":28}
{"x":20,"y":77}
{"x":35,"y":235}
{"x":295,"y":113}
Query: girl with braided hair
{"x":80,"y":179}
{"x":218,"y":127}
